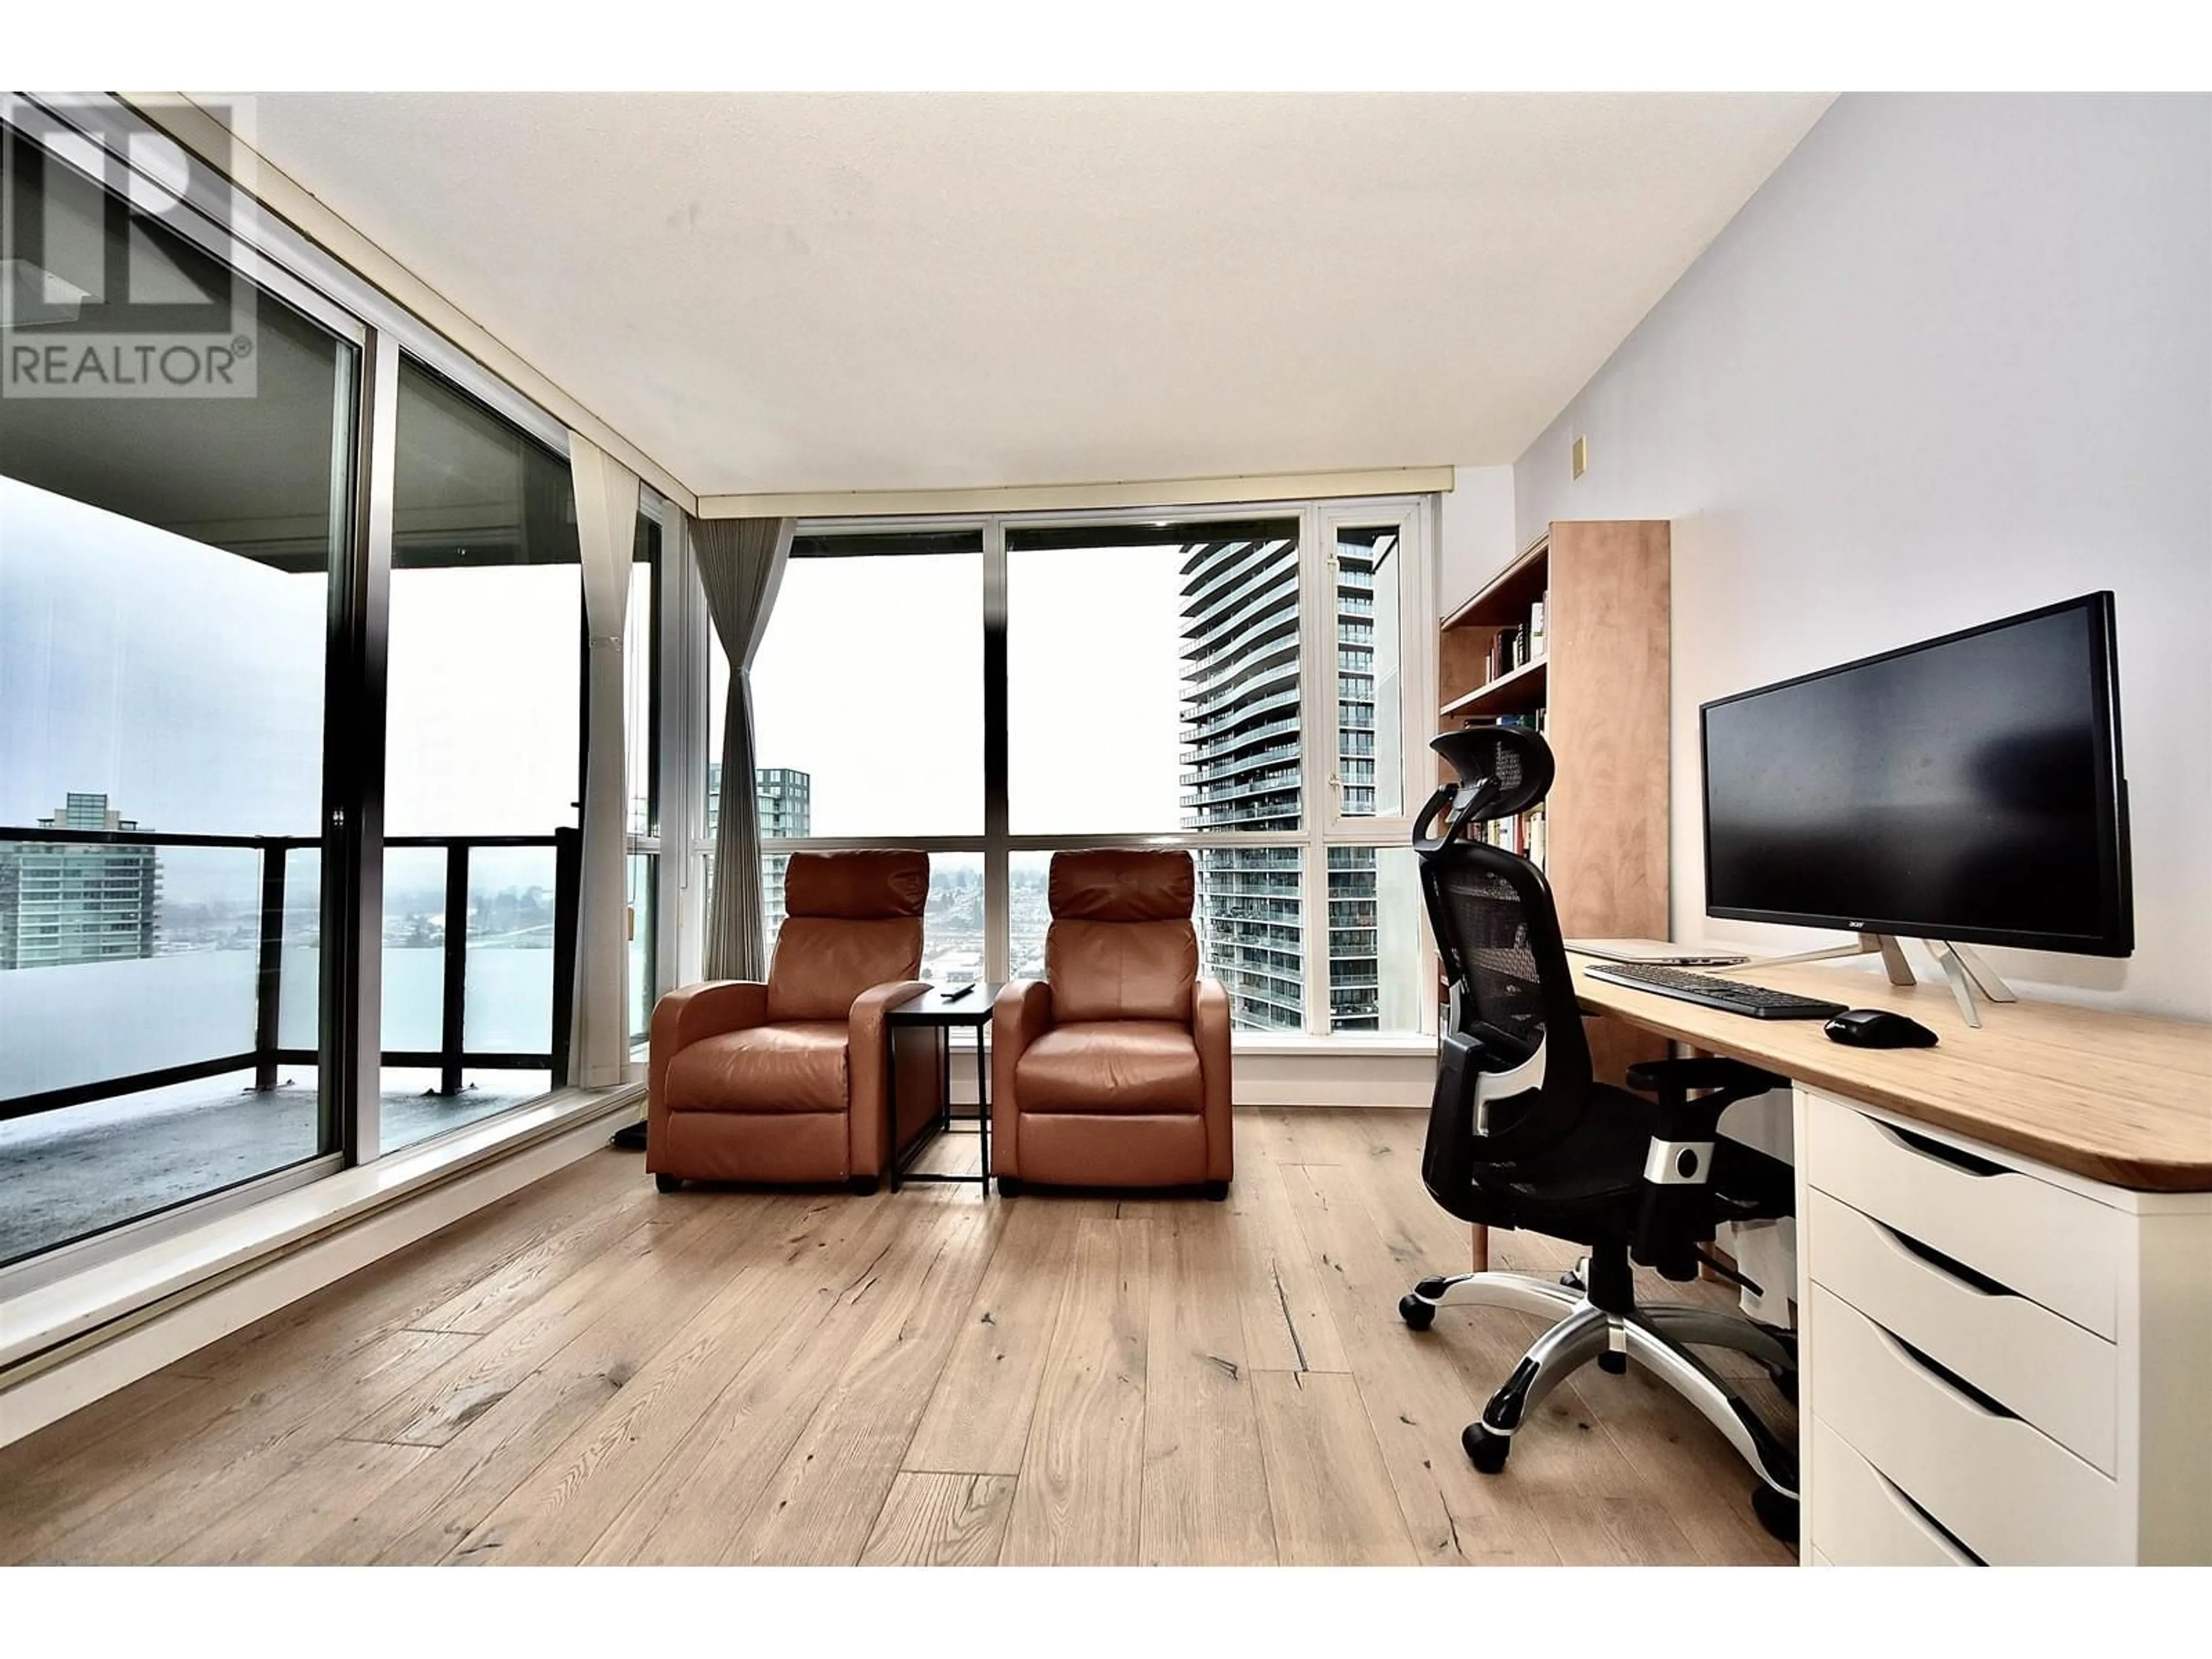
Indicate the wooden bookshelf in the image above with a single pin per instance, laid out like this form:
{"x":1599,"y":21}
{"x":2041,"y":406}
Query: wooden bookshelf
{"x":1599,"y":687}
{"x":1517,"y":691}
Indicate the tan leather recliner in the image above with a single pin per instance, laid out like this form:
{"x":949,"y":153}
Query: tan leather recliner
{"x":787,"y":1081}
{"x":1112,"y":1070}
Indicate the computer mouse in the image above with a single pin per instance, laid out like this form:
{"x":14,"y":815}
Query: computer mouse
{"x":1878,"y":1028}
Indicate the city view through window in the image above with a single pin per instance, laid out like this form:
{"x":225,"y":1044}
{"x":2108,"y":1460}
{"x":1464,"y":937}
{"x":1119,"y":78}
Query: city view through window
{"x":1153,"y":687}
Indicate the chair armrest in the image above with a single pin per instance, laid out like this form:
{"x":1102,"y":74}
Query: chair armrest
{"x":1209,"y":1030}
{"x":868,"y":1062}
{"x":1679,"y":1205}
{"x":1022,"y":1014}
{"x":696,"y":1012}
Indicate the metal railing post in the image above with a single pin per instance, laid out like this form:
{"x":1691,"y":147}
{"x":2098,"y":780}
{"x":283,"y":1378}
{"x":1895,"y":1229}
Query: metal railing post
{"x":270,"y":973}
{"x":453,"y":1022}
{"x":567,"y":881}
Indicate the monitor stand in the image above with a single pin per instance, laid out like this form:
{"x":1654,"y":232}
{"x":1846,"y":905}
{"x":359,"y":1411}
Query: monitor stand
{"x":1866,"y":944}
{"x":1964,"y":968}
{"x":1968,"y":972}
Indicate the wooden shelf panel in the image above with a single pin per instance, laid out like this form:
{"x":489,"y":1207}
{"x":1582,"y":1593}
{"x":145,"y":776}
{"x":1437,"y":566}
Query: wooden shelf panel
{"x":1504,"y":600}
{"x":1516,"y":693}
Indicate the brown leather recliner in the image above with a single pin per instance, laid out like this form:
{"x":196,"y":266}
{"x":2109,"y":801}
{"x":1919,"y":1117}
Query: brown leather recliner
{"x":1112,"y":1070}
{"x":788,"y":1081}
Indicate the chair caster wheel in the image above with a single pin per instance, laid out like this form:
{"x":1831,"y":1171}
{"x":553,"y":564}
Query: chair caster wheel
{"x":1010,"y":1187}
{"x":1612,"y":1364}
{"x":1785,"y":1382}
{"x":1776,"y":1513}
{"x":667,"y":1184}
{"x":1417,"y":1315}
{"x":1486,"y":1451}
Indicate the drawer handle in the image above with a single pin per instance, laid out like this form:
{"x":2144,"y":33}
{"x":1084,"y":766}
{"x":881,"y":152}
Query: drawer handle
{"x":1942,"y":1153}
{"x":1948,"y":1266}
{"x":1912,"y":1510}
{"x":1988,"y":1405}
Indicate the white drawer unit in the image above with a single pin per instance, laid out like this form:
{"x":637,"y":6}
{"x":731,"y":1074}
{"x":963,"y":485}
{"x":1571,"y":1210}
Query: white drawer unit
{"x":2006,"y":1490}
{"x":2000,"y":1361}
{"x":1865,"y":1522}
{"x":2042,"y":1240}
{"x":2060,"y":1377}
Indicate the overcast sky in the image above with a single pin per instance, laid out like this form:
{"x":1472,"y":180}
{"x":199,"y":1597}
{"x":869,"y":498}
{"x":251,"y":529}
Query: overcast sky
{"x":184,"y":682}
{"x":871,"y":680}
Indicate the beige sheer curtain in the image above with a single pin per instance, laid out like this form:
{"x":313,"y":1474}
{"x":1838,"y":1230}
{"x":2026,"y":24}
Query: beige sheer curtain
{"x":606,"y":532}
{"x":741,"y":564}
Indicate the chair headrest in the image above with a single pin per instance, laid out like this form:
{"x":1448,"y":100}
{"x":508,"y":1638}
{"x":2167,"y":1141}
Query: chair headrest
{"x":871,"y":886}
{"x":1503,"y":769}
{"x":1122,"y":885}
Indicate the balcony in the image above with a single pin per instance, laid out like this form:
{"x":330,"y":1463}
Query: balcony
{"x":215,"y":1079}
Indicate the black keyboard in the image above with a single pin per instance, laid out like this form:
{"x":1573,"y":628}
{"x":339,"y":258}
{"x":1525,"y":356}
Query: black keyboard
{"x":1755,"y":1000}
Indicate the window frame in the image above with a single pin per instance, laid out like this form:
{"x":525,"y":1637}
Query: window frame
{"x":1323,"y":826}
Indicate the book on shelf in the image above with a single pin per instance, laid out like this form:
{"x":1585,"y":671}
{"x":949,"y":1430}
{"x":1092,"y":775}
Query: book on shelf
{"x":1535,"y":629}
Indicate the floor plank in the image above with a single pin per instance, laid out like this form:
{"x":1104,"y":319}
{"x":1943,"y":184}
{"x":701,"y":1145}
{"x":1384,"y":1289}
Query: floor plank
{"x":692,"y":1510}
{"x":421,"y":1518}
{"x":278,"y":1523}
{"x":245,"y":1451}
{"x":1077,"y":1502}
{"x":1287,"y":1323}
{"x":941,"y":1521}
{"x":977,"y":1421}
{"x":1205,"y":1482}
{"x":1326,"y":1485}
{"x":1415,"y":1396}
{"x":823,"y":1504}
{"x":560,"y":1513}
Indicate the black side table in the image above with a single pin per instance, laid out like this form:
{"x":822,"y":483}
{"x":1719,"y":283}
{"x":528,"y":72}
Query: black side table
{"x":968,"y":1008}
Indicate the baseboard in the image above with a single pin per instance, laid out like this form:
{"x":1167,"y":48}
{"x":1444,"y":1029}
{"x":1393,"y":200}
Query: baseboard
{"x":136,"y":1346}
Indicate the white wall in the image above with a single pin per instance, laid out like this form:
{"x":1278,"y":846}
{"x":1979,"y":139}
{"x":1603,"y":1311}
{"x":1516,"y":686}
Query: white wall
{"x":1954,"y":361}
{"x":1475,"y":538}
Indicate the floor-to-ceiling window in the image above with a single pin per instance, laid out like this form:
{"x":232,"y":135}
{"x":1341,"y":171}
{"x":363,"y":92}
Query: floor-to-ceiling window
{"x":868,"y":719}
{"x":1153,"y":687}
{"x":1228,"y":682}
{"x":483,"y":773}
{"x":167,"y":559}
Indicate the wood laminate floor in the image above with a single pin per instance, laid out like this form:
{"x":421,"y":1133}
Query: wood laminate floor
{"x":590,"y":1371}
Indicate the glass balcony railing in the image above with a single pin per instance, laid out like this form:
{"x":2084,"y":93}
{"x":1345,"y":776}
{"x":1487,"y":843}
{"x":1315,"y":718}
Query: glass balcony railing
{"x":233,"y":982}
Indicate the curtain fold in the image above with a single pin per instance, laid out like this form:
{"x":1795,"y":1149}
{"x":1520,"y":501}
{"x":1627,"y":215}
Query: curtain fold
{"x":606,"y":535}
{"x":741,"y":564}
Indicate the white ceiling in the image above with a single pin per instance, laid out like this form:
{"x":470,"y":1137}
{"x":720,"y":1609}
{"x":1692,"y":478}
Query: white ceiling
{"x":819,"y":291}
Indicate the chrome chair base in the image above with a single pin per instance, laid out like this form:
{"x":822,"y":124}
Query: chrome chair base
{"x":1658,"y":1337}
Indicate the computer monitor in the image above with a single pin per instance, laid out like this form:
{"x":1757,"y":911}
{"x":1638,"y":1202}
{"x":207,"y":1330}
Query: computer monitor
{"x":1968,"y":788}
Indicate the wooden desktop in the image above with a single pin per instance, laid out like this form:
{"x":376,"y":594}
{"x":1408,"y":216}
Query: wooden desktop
{"x":2121,"y":1098}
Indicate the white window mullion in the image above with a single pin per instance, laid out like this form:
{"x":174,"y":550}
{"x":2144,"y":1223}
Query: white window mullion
{"x":1317,"y":745}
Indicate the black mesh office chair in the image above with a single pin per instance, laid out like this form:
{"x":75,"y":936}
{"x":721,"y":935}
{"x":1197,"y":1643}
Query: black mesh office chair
{"x":1521,"y":1135}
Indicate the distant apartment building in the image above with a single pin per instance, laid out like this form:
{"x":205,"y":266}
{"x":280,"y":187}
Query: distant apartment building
{"x":1242,"y":762}
{"x":76,"y":902}
{"x":784,"y":797}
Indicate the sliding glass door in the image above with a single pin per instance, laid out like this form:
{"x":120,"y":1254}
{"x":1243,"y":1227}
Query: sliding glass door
{"x":291,"y":707}
{"x":484,"y":764}
{"x":167,"y":566}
